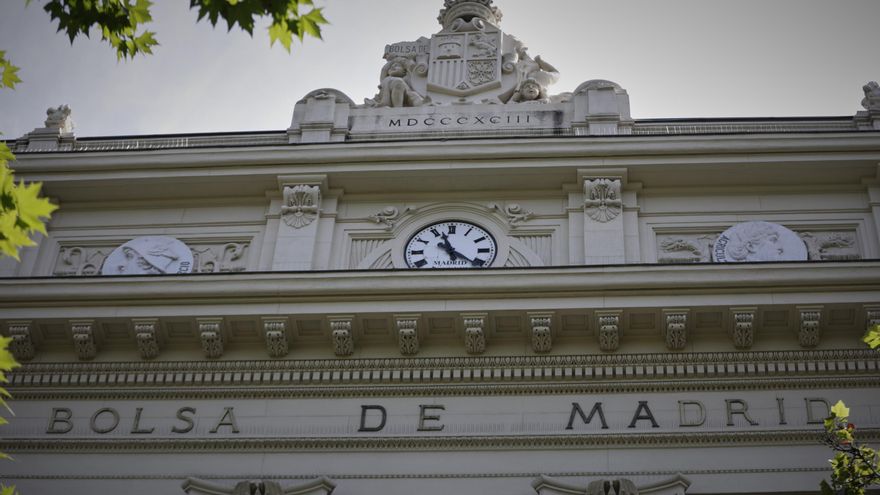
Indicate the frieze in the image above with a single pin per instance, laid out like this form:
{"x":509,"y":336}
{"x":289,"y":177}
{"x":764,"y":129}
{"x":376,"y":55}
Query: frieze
{"x":86,"y":260}
{"x":397,"y":443}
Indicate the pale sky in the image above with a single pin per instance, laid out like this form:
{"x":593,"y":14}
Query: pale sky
{"x":676,"y":58}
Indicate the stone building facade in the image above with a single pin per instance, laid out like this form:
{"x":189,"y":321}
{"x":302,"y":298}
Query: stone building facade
{"x":467,"y":284}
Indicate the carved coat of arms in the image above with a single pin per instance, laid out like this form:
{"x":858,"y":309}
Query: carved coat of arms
{"x":465,"y":63}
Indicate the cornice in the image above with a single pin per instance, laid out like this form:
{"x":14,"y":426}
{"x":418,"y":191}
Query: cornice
{"x":344,"y":156}
{"x":401,"y":443}
{"x":755,"y":280}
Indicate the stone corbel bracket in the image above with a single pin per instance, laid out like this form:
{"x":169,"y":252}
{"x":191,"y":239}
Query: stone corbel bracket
{"x":541,"y":325}
{"x":321,"y":116}
{"x":341,"y":335}
{"x":474,"y":325}
{"x":84,"y":339}
{"x":301,"y":198}
{"x":809,"y":325}
{"x":408,"y":333}
{"x":275,"y":333}
{"x":608,"y":329}
{"x":675,"y":324}
{"x":742,"y":326}
{"x":211,"y":336}
{"x":146,"y":334}
{"x":23,"y":345}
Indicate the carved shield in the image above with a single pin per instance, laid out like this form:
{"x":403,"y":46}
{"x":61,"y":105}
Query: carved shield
{"x":464,"y":64}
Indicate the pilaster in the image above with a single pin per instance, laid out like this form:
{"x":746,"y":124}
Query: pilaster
{"x":604,"y":228}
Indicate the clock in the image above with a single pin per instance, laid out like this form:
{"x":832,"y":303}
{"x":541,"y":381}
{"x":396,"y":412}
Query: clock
{"x":451,"y":244}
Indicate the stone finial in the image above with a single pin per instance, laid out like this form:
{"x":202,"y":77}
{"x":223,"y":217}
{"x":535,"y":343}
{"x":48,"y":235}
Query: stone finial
{"x":147,"y":336}
{"x":320,"y":117}
{"x":59,"y":118}
{"x":872,"y":96}
{"x":869,"y":119}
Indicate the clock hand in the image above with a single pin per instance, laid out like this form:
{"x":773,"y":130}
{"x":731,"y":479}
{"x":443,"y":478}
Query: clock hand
{"x":447,"y":247}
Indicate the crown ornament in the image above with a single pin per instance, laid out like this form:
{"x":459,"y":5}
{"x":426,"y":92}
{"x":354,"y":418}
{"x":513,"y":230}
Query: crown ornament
{"x":467,"y":10}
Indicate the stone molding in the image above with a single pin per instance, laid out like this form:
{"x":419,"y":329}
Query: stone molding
{"x":450,"y":376}
{"x":400,"y":443}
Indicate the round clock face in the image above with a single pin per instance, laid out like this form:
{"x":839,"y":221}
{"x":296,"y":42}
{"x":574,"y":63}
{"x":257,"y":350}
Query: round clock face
{"x":451,"y":244}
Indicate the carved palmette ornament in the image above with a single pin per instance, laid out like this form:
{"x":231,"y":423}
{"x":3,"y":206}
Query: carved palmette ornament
{"x":603,"y":201}
{"x":302,"y":203}
{"x":615,"y":487}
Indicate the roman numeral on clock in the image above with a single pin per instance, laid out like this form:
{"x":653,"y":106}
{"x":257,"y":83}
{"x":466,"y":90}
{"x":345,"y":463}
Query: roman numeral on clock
{"x":420,"y":263}
{"x":484,"y":250}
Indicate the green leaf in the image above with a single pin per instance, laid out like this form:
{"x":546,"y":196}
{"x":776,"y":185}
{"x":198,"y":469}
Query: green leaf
{"x":279,"y":31}
{"x":8,"y":73}
{"x":826,"y":488}
{"x":872,"y":338}
{"x":840,"y":410}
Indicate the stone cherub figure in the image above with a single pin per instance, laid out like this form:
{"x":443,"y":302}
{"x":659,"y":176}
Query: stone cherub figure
{"x":872,"y":97}
{"x":395,"y":89}
{"x":534,"y":76}
{"x":59,"y":118}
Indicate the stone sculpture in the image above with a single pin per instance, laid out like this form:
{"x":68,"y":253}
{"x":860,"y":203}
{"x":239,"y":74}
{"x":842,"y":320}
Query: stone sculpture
{"x":395,"y":88}
{"x":150,"y":255}
{"x":759,"y":241}
{"x":534,"y":76}
{"x":59,"y":118}
{"x":872,"y":97}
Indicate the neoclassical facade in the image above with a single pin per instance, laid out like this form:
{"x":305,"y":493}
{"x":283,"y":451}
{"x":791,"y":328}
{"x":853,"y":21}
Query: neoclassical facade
{"x":469,"y":283}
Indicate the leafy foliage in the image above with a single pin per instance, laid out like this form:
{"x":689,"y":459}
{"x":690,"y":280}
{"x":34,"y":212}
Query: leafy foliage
{"x":7,"y":363}
{"x":22,"y":210}
{"x":854,"y":467}
{"x":872,"y":338}
{"x":7,"y":490}
{"x":121,"y":22}
{"x":8,"y":76}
